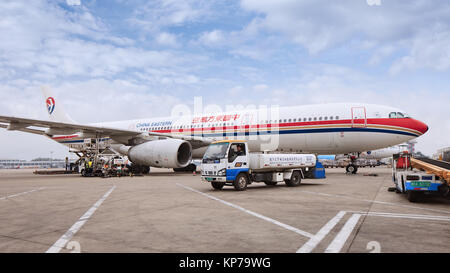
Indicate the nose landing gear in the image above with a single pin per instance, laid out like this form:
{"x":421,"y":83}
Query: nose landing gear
{"x":352,"y":168}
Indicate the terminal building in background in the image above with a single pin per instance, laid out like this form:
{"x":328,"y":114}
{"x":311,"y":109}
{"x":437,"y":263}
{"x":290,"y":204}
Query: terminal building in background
{"x":442,"y":154}
{"x":33,"y":164}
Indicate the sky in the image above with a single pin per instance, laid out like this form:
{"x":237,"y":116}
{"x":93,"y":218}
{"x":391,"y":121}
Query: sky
{"x":126,"y":59}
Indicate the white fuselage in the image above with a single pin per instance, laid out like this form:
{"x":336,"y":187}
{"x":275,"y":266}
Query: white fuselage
{"x":321,"y":129}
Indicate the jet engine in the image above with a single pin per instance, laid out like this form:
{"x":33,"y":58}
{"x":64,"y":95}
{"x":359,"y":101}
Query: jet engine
{"x":166,"y":153}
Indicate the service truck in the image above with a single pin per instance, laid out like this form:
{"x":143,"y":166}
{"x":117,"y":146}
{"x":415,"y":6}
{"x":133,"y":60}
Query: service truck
{"x":414,"y":182}
{"x":230,"y":163}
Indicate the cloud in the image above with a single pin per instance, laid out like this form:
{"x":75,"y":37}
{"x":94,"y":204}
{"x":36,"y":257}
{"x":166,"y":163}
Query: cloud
{"x":212,"y":38}
{"x":156,"y":15}
{"x":318,"y":25}
{"x":380,"y":54}
{"x":235,"y":91}
{"x":102,"y":100}
{"x":87,"y":59}
{"x":260,"y":87}
{"x":429,"y":50}
{"x":73,"y":2}
{"x":49,"y":43}
{"x":167,"y":39}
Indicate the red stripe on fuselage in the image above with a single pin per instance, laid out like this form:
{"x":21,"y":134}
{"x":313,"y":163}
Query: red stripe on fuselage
{"x":408,"y":123}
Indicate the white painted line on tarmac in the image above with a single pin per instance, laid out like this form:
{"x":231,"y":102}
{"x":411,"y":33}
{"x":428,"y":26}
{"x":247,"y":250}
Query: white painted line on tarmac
{"x":375,"y":202}
{"x":339,"y":241}
{"x":19,"y":194}
{"x":323,"y":232}
{"x":407,"y":216}
{"x":60,"y":244}
{"x":288,"y":227}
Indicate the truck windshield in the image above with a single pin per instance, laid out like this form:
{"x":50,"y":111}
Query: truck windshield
{"x":216,"y":151}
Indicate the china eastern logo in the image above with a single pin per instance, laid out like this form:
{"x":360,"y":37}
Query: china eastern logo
{"x":50,"y":105}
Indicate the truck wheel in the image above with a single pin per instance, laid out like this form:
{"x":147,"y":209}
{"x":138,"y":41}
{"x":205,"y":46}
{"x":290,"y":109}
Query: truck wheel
{"x":413,"y":196}
{"x":270,"y":183}
{"x":217,"y":185}
{"x":240,"y":184}
{"x":295,"y":179}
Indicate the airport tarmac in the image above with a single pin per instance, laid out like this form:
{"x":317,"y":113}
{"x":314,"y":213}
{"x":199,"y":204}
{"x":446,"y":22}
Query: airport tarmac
{"x":168,"y":212}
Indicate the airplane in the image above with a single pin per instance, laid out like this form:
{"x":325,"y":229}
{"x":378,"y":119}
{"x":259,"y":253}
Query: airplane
{"x":172,"y":142}
{"x":385,"y":152}
{"x":374,"y":154}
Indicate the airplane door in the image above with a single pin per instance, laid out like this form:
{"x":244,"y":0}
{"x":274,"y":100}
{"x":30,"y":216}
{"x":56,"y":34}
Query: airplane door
{"x":246,"y":122}
{"x":359,"y":118}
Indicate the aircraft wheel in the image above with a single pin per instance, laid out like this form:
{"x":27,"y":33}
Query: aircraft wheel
{"x":352,"y":169}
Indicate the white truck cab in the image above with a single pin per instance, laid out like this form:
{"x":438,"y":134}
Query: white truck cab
{"x":229,"y":162}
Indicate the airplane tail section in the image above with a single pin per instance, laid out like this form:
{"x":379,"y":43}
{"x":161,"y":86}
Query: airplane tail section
{"x":54,"y":107}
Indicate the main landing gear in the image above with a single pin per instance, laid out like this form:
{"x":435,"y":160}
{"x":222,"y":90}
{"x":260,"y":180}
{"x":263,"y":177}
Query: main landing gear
{"x":352,"y":168}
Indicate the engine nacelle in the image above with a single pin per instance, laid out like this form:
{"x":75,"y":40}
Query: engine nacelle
{"x":166,"y":153}
{"x":57,"y":131}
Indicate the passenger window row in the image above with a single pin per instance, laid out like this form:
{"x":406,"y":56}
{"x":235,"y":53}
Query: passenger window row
{"x":392,"y":115}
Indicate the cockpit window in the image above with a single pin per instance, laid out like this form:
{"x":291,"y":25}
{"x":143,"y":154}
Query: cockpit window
{"x":398,"y":115}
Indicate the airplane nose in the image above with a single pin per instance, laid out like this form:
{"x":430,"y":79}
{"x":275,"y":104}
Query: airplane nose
{"x":421,"y":127}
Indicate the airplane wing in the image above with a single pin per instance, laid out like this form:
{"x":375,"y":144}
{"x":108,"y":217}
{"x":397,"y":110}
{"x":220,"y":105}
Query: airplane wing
{"x":61,"y":128}
{"x":16,"y":123}
{"x":27,"y":130}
